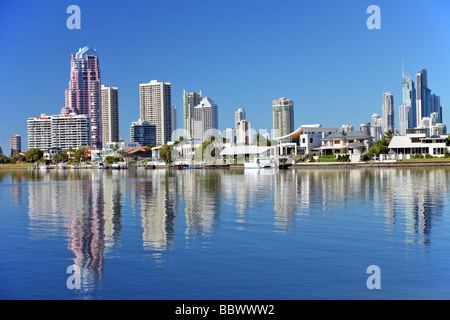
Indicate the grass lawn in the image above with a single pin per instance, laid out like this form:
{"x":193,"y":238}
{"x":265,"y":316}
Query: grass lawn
{"x":16,"y":165}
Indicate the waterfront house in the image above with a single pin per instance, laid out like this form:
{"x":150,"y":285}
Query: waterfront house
{"x":405,"y":147}
{"x":305,"y":139}
{"x":351,"y":142}
{"x":241,"y":153}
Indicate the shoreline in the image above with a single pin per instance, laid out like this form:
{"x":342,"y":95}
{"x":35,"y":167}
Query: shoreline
{"x":308,"y":165}
{"x":349,"y":165}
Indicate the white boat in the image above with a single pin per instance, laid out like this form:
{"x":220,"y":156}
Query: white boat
{"x":119,"y":165}
{"x":43,"y":166}
{"x":259,"y":164}
{"x":101,"y":166}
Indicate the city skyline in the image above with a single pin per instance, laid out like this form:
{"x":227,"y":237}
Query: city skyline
{"x":236,"y":81}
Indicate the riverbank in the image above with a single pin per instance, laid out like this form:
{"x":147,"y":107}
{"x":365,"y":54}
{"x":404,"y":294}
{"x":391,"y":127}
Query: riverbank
{"x":419,"y":163}
{"x":386,"y":164}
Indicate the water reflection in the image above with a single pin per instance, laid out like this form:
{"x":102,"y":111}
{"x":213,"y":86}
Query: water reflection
{"x":156,"y":198}
{"x":92,"y":204}
{"x":201,"y":191}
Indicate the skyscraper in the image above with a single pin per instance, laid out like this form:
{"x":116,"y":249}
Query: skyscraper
{"x":155,"y":107}
{"x":190,"y":100}
{"x":206,"y":119}
{"x":365,"y":128}
{"x":110,"y":114}
{"x":388,"y":112}
{"x":405,"y":112}
{"x":83,"y":95}
{"x":426,"y":101}
{"x":283,"y":117}
{"x":436,"y":106}
{"x":15,"y":144}
{"x":173,"y":116}
{"x":230,"y":135}
{"x":243,"y":132}
{"x":238,"y":116}
{"x":409,"y":99}
{"x":376,"y":127}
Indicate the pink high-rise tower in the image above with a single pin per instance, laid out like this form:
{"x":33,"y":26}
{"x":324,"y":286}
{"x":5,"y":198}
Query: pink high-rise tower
{"x":84,"y":93}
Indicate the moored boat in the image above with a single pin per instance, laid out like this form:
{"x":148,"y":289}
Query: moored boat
{"x":257,"y":163}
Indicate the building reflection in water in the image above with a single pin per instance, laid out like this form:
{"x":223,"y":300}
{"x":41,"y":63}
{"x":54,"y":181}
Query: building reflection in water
{"x":202,"y":196}
{"x":155,"y":194}
{"x":89,"y":204}
{"x":285,"y":200}
{"x":86,"y":204}
{"x":411,"y":197}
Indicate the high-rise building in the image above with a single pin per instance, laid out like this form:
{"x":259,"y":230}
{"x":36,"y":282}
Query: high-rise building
{"x":421,"y":95}
{"x":59,"y":131}
{"x":238,"y":116}
{"x":426,"y":101}
{"x":15,"y":144}
{"x":155,"y":107}
{"x":206,"y":119}
{"x":83,"y":95}
{"x":365,"y":128}
{"x":190,"y":100}
{"x":436,"y":106}
{"x":405,"y":112}
{"x":173,"y":116}
{"x":110,"y":114}
{"x":230,"y":135}
{"x":388,"y":112}
{"x":243,"y":132}
{"x":434,"y":118}
{"x":283,"y":117}
{"x":376,"y":127}
{"x":143,"y":132}
{"x":409,"y":99}
{"x":347,"y":128}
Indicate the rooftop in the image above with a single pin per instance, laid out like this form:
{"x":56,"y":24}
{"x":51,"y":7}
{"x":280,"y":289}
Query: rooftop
{"x":347,"y":135}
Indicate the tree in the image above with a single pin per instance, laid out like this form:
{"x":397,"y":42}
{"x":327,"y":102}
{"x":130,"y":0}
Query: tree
{"x":80,"y":155}
{"x":165,"y":152}
{"x":17,"y":157}
{"x":61,"y":157}
{"x":110,"y":159}
{"x":33,"y":155}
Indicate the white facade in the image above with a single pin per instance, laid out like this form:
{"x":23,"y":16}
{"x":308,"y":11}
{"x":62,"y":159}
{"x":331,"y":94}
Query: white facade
{"x":411,"y":144}
{"x":230,"y":135}
{"x":156,"y":108}
{"x":312,"y":137}
{"x":404,"y":119}
{"x":238,"y":116}
{"x":110,"y":114}
{"x":346,"y":128}
{"x":243,"y":132}
{"x":206,"y":119}
{"x":439,"y":129}
{"x":59,"y":131}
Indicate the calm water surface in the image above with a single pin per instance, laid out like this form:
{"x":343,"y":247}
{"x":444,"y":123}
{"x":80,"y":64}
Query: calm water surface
{"x":225,"y":234}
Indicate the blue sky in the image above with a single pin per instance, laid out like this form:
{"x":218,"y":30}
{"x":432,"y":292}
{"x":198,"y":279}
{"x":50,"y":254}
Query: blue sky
{"x":242,"y":54}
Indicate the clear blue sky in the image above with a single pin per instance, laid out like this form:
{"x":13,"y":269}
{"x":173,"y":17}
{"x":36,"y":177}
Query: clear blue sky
{"x":242,"y":53}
